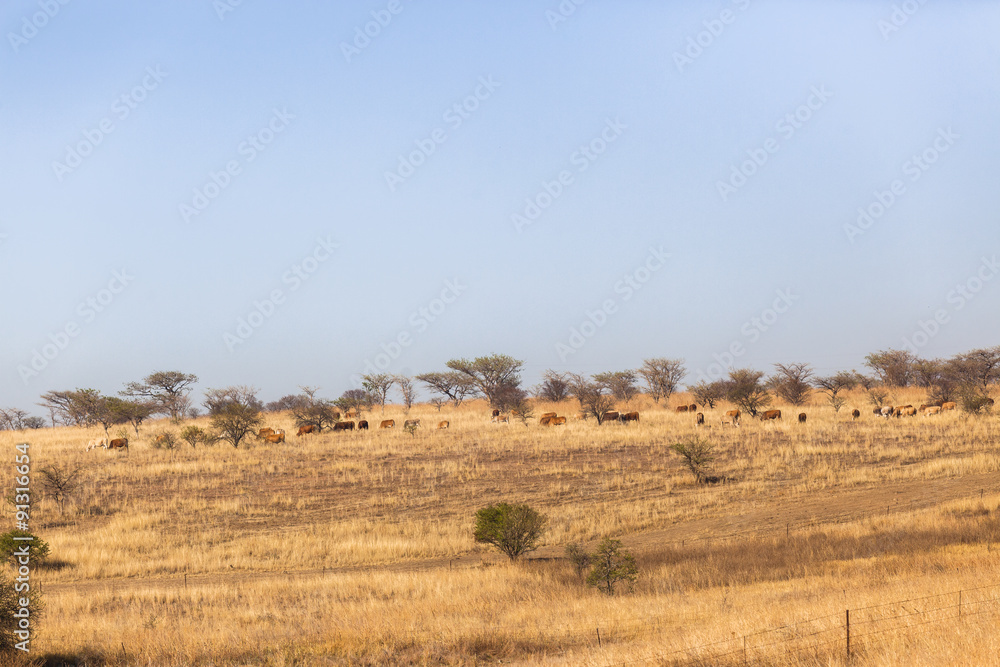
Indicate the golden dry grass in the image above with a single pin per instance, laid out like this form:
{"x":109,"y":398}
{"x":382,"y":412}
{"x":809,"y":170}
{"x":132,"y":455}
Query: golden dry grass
{"x":355,"y":548}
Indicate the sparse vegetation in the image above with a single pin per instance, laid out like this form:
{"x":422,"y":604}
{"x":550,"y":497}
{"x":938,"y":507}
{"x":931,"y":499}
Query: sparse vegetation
{"x":513,"y":529}
{"x":697,"y":456}
{"x":612,"y":565}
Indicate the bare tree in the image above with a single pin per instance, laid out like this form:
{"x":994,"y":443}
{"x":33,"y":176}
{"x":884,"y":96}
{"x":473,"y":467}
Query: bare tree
{"x":591,"y":395}
{"x":554,"y":387}
{"x":453,"y":385}
{"x":358,"y":400}
{"x":234,"y":411}
{"x":662,"y":376}
{"x":494,"y":375}
{"x":791,"y":382}
{"x":894,"y":368}
{"x":12,"y":419}
{"x":832,"y":385}
{"x":165,"y":389}
{"x":129,"y":412}
{"x":60,"y":482}
{"x":979,"y":367}
{"x":744,"y":388}
{"x":378,"y":385}
{"x":621,"y":384}
{"x":407,"y":390}
{"x":59,"y":403}
{"x":709,"y":393}
{"x":319,"y":412}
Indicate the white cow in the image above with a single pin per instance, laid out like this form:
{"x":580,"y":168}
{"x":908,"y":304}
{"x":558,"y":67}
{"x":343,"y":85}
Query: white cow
{"x":97,"y":442}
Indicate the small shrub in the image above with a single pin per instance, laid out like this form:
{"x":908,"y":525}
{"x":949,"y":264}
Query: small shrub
{"x":697,"y":455}
{"x":579,"y":558}
{"x":165,"y":440}
{"x":194,"y":436}
{"x":613,"y":565}
{"x":513,"y":529}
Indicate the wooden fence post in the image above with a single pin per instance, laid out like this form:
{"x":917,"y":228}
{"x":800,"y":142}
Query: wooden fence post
{"x":848,"y":634}
{"x":598,"y":638}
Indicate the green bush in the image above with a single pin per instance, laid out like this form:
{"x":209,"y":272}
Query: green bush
{"x":612,"y":565}
{"x":513,"y":529}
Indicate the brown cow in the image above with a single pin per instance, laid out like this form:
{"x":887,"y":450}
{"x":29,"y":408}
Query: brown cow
{"x":502,"y":419}
{"x":444,"y":424}
{"x":932,"y":410}
{"x":363,"y":425}
{"x":307,"y":428}
{"x":769,"y":415}
{"x":950,"y":405}
{"x":558,"y":421}
{"x":547,"y":414}
{"x":802,"y":418}
{"x":877,"y":411}
{"x":610,"y":415}
{"x":629,"y":417}
{"x":732,"y":417}
{"x":887,"y":411}
{"x":693,"y":407}
{"x":411,"y":422}
{"x":901,"y":410}
{"x":545,"y":421}
{"x":264,"y":432}
{"x":699,"y":419}
{"x":118,"y":443}
{"x":682,"y":408}
{"x":387,"y":423}
{"x":496,"y":413}
{"x":855,"y":413}
{"x":344,"y":426}
{"x":275,"y":437}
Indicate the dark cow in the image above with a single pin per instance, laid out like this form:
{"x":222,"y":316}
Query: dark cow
{"x":264,"y":432}
{"x":855,"y":413}
{"x":118,"y":443}
{"x":611,"y":415}
{"x":693,"y":407}
{"x":546,"y":420}
{"x":344,"y":426}
{"x":387,"y":423}
{"x":275,"y":437}
{"x":411,"y":422}
{"x":444,"y":424}
{"x":307,"y":428}
{"x":682,"y":408}
{"x":732,"y":417}
{"x":496,"y":413}
{"x":363,"y":425}
{"x":547,"y":414}
{"x":699,"y":419}
{"x":877,"y":411}
{"x":629,"y":417}
{"x":802,"y":418}
{"x":558,"y":421}
{"x":769,"y":415}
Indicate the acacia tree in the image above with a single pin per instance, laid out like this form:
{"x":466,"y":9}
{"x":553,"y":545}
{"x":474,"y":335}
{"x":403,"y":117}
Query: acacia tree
{"x":494,"y":375}
{"x":621,"y":385}
{"x":167,"y":390}
{"x":591,"y":395}
{"x":60,"y":404}
{"x":894,"y":368}
{"x":13,"y":419}
{"x":378,"y":385}
{"x":319,"y":412}
{"x":358,"y":400}
{"x":554,"y":387}
{"x":234,"y":411}
{"x":454,"y":386}
{"x":709,"y":393}
{"x":979,"y":367}
{"x":744,"y":388}
{"x":662,"y":376}
{"x":832,"y":385}
{"x":407,"y":390}
{"x":613,"y":565}
{"x":129,"y":412}
{"x":791,"y":382}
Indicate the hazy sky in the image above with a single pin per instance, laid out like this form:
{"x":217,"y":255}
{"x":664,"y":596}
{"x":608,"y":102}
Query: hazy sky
{"x":275,"y":194}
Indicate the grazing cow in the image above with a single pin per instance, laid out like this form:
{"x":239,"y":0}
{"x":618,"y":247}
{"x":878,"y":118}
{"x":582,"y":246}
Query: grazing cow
{"x":932,"y":410}
{"x":307,"y":428}
{"x":264,"y":432}
{"x":768,"y":415}
{"x":363,"y":425}
{"x":411,"y":422}
{"x":699,"y":419}
{"x":855,"y":413}
{"x":502,"y":419}
{"x":732,"y":417}
{"x":387,"y":423}
{"x":629,"y":417}
{"x":802,"y":418}
{"x":344,"y":426}
{"x":682,"y":408}
{"x":496,"y":413}
{"x":886,"y":411}
{"x":929,"y":405}
{"x":901,"y":410}
{"x":545,"y":421}
{"x":558,"y":421}
{"x":444,"y":424}
{"x":693,"y":407}
{"x":547,"y":414}
{"x":611,"y":415}
{"x":950,"y":405}
{"x":118,"y":443}
{"x":275,"y":437}
{"x":98,"y":442}
{"x":909,"y":411}
{"x":877,"y":411}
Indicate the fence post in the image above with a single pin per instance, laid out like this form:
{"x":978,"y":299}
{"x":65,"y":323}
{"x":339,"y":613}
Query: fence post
{"x":598,"y":638}
{"x":744,"y":649}
{"x":960,"y":604}
{"x":848,"y":634}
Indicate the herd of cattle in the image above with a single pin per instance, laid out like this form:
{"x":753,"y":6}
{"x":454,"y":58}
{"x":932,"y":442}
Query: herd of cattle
{"x":731,"y":418}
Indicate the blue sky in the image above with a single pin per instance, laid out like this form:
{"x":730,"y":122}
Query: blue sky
{"x":264,"y":194}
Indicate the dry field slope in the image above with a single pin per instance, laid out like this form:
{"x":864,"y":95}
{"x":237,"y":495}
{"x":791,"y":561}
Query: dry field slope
{"x":355,"y":548}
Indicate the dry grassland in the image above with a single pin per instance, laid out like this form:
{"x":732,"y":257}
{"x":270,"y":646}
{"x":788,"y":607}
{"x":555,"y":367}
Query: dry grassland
{"x":355,"y":548}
